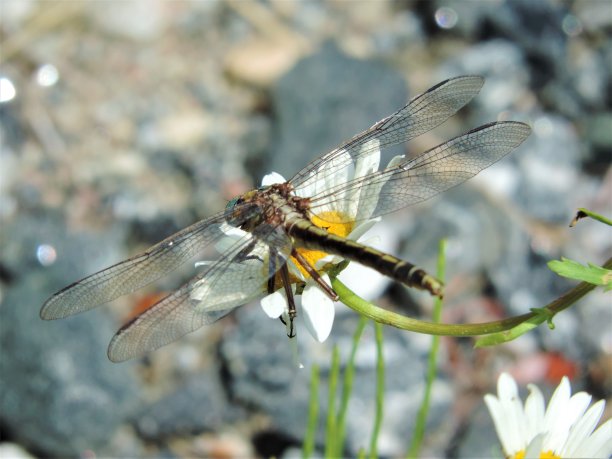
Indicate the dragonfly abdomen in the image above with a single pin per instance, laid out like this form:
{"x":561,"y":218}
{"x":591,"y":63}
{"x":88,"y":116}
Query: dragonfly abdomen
{"x":312,"y":237}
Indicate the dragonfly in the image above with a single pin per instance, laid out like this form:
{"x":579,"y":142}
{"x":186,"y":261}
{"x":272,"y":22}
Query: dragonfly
{"x":265,"y":234}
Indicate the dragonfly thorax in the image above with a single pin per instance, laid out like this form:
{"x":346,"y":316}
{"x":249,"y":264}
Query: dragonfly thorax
{"x":271,"y":205}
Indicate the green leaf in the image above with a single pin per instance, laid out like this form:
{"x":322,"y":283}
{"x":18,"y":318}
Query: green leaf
{"x":591,"y":273}
{"x":543,"y":314}
{"x":503,"y":337}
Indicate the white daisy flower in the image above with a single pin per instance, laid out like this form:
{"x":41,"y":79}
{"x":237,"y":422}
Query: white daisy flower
{"x":318,"y":309}
{"x":564,"y":429}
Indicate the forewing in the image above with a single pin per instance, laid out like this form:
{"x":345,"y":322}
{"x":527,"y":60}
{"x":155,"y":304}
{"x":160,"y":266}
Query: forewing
{"x":414,"y":180}
{"x":239,"y":276}
{"x":136,"y":272}
{"x":420,"y":115}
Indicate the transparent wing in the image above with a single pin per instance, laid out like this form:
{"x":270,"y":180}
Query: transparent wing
{"x":136,"y":272}
{"x":236,"y":278}
{"x":420,"y":115}
{"x":409,"y":181}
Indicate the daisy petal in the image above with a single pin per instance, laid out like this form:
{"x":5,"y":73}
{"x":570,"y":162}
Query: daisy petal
{"x":582,"y":430}
{"x":274,"y":304}
{"x":362,"y":228}
{"x":500,"y":422}
{"x":560,"y":427}
{"x":395,"y":161}
{"x":599,"y":444}
{"x":318,"y":311}
{"x":554,"y":417}
{"x":564,"y":430}
{"x":534,"y":447}
{"x":534,"y":411}
{"x":272,"y":178}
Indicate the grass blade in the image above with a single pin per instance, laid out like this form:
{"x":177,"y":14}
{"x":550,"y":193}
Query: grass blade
{"x":419,"y":429}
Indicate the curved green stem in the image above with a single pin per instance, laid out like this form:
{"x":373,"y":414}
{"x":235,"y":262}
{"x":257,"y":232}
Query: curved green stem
{"x":348,"y":297}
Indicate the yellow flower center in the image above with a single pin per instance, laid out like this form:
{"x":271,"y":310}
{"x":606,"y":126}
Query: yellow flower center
{"x":332,"y":221}
{"x":543,"y":455}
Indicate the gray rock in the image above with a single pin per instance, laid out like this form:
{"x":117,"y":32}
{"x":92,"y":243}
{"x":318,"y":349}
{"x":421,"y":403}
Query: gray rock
{"x":59,"y":394}
{"x":549,"y":169}
{"x":536,"y":28}
{"x":198,"y":405}
{"x":56,"y":379}
{"x":502,"y":63}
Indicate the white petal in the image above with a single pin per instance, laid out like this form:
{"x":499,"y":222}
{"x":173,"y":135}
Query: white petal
{"x":232,"y":235}
{"x":581,"y":430}
{"x":555,"y":412}
{"x":237,"y":284}
{"x":327,"y":259}
{"x":272,"y":179}
{"x":501,"y":424}
{"x":225,"y":244}
{"x":362,"y":228}
{"x":534,"y":411}
{"x":318,"y":311}
{"x":365,"y":164}
{"x":599,"y":445}
{"x":576,"y":407}
{"x":337,"y":171}
{"x":294,"y":270}
{"x":345,"y":171}
{"x":232,"y":231}
{"x":368,"y":199}
{"x":562,"y":413}
{"x":507,"y":391}
{"x":533,"y":449}
{"x":506,"y":387}
{"x":274,"y":304}
{"x":395,"y":161}
{"x":368,"y":162}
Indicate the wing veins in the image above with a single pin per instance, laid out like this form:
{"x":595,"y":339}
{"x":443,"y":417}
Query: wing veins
{"x":476,"y":149}
{"x":421,"y":114}
{"x":182,"y":312}
{"x":144,"y":268}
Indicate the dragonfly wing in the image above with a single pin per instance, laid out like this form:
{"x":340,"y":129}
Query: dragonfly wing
{"x":136,"y":272}
{"x":420,"y":115}
{"x":236,"y":278}
{"x":409,"y":181}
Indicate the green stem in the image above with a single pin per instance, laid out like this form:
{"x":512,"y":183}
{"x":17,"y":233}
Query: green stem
{"x":421,"y":420}
{"x":313,"y":412}
{"x":349,"y":298}
{"x":347,"y":386}
{"x":380,"y":390}
{"x":330,"y":428}
{"x":582,"y":213}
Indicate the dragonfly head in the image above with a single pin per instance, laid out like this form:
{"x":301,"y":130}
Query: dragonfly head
{"x":232,"y":203}
{"x":241,"y":211}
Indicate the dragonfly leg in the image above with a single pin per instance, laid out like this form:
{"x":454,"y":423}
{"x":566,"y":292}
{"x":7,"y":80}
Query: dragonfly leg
{"x":284,"y":272}
{"x":315,"y":275}
{"x":272,"y":274}
{"x":244,"y":254}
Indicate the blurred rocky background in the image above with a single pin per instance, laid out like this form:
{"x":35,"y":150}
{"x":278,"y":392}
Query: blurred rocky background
{"x":125,"y":121}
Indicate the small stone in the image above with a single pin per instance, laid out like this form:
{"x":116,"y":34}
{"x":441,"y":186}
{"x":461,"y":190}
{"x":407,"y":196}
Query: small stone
{"x":261,"y":62}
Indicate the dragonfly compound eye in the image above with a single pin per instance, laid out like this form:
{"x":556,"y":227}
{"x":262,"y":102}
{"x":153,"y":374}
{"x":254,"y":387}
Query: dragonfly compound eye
{"x":232,"y":203}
